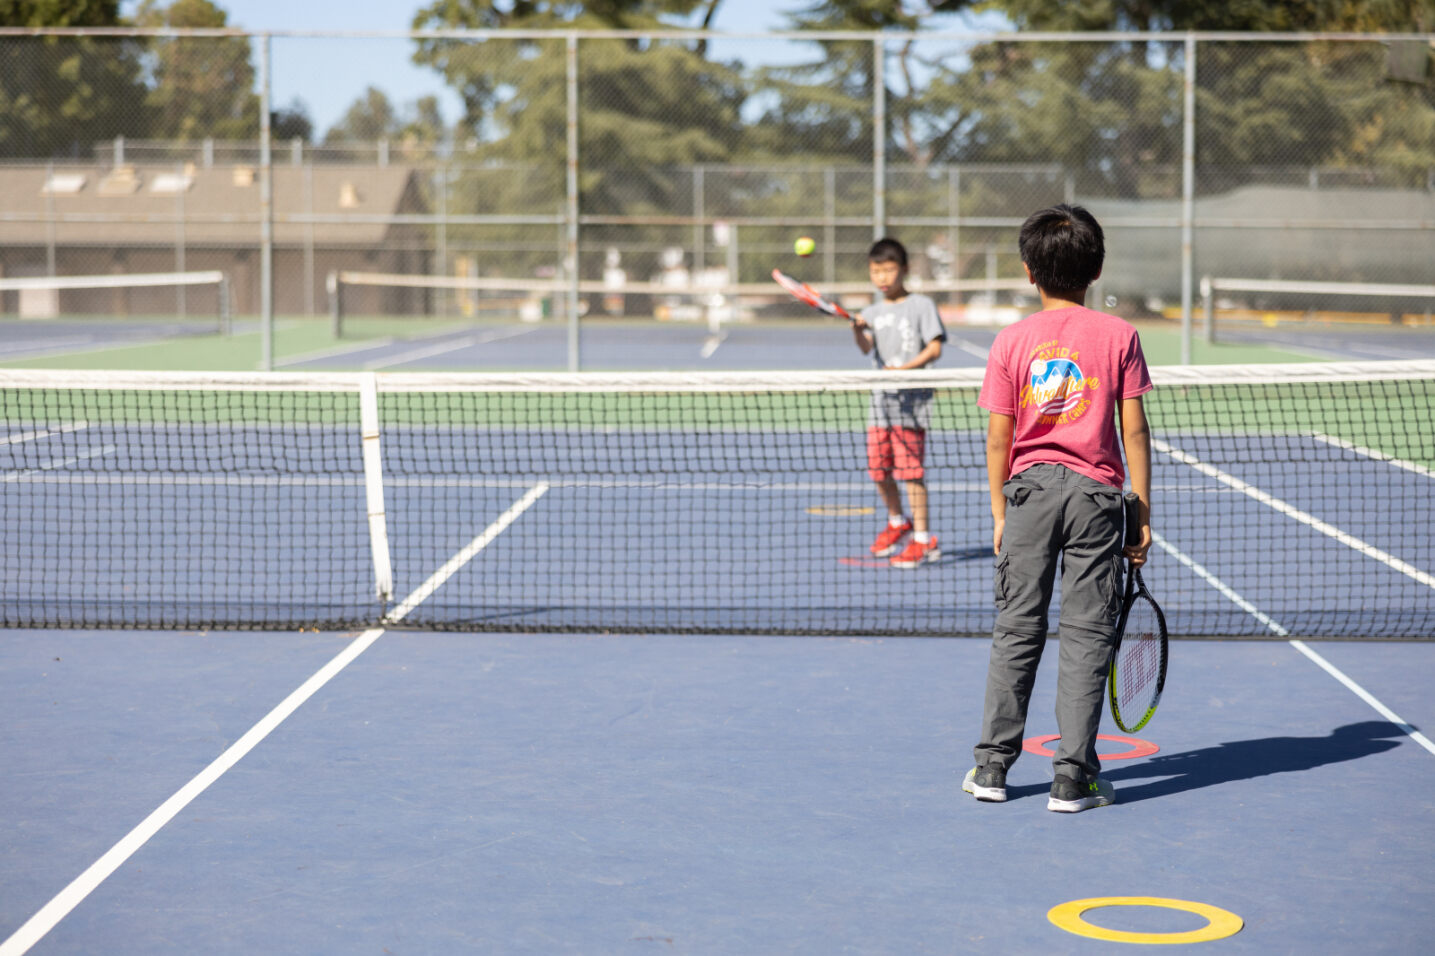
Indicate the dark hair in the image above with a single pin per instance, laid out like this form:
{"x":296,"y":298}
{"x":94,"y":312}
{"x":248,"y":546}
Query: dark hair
{"x":888,"y":250}
{"x":1063,"y":247}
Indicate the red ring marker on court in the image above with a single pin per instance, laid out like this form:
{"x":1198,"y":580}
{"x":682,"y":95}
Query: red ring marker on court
{"x":1139,"y":748}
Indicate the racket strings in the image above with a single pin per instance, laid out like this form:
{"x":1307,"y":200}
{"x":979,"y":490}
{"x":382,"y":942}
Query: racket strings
{"x":1138,"y":661}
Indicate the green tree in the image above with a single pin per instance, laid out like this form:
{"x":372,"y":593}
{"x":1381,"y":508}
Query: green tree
{"x":60,"y":95}
{"x":200,"y":87}
{"x":650,"y":111}
{"x":369,"y":118}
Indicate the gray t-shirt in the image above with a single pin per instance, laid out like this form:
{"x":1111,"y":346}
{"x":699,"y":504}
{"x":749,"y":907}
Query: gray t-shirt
{"x":901,"y":330}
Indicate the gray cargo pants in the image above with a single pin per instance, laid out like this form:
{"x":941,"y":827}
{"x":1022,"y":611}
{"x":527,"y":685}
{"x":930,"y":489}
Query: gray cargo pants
{"x":1054,"y":513}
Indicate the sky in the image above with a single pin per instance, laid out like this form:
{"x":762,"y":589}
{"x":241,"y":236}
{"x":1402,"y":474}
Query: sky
{"x":327,"y":75}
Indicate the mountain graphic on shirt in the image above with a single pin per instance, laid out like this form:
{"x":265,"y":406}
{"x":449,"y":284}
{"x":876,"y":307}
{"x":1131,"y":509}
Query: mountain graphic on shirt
{"x":1056,"y":385}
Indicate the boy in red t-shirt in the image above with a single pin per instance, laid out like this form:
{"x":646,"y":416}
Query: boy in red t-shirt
{"x":1058,"y":384}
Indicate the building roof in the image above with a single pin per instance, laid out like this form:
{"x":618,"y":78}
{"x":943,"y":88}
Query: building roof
{"x":220,"y":204}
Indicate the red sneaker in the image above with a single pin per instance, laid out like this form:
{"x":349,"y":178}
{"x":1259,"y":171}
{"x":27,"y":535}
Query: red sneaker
{"x":917,"y":553}
{"x":889,"y":539}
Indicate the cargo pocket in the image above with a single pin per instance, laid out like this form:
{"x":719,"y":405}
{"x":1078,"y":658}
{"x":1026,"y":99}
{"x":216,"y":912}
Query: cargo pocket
{"x":1111,"y":580}
{"x":1017,"y":490}
{"x":1108,"y":504}
{"x":999,"y":579}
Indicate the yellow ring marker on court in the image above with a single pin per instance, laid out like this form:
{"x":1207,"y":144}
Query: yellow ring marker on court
{"x":1222,"y":923}
{"x":841,"y":511}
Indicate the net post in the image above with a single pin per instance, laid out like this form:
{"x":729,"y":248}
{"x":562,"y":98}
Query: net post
{"x":374,"y":488}
{"x":336,"y":304}
{"x":226,"y":324}
{"x":1208,"y":309}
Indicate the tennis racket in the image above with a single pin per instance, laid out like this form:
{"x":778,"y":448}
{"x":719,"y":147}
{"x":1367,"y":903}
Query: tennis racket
{"x":1138,"y":662}
{"x":804,"y":293}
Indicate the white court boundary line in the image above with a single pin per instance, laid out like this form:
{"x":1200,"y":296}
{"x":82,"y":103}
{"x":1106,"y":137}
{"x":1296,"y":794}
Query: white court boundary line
{"x":440,"y":348}
{"x":19,"y":437}
{"x":46,"y":918}
{"x":1375,"y":454}
{"x":1230,"y":594}
{"x":1365,"y":695}
{"x":1226,"y":590}
{"x":1290,"y":511}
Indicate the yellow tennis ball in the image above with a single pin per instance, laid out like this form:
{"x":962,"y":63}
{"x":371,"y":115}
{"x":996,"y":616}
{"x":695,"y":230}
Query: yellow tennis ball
{"x":804,"y":246}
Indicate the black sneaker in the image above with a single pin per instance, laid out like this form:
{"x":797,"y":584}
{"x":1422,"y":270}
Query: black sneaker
{"x":1068,"y":796}
{"x":987,"y":784}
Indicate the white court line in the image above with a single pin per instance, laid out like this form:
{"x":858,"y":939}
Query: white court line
{"x":1377,"y":455}
{"x":413,"y":355}
{"x":1365,"y":695}
{"x":19,"y":437}
{"x":464,"y":556}
{"x":971,"y":348}
{"x":44,"y":920}
{"x":1290,"y":511}
{"x":59,"y":463}
{"x":1226,"y":590}
{"x":1299,"y":645}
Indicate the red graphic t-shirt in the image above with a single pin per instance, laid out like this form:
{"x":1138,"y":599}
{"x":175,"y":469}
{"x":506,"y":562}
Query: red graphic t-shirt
{"x":1060,"y":375}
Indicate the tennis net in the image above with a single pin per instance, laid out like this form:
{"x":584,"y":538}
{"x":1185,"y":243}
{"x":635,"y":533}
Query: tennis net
{"x":1288,"y":500}
{"x":201,"y":299}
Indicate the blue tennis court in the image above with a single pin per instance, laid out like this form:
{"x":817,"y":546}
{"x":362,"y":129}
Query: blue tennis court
{"x":674,"y":714}
{"x":448,"y":792}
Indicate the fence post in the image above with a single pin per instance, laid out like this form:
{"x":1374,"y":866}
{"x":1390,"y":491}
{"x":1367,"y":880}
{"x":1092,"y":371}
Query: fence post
{"x":1188,"y":194}
{"x":571,"y":257}
{"x":879,"y":138}
{"x":266,"y":214}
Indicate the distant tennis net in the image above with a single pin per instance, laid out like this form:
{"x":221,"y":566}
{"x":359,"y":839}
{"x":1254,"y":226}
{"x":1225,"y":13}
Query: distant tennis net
{"x":1290,"y":500}
{"x":191,"y":297}
{"x":518,"y":299}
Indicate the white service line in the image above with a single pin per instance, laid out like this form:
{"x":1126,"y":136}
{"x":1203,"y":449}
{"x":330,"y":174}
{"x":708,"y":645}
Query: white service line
{"x":414,"y":355}
{"x":466,"y":555}
{"x":1226,"y":590}
{"x":1365,"y":695}
{"x":1290,"y":511}
{"x":19,"y":437}
{"x":59,"y":463}
{"x":46,"y":918}
{"x":1376,"y":455}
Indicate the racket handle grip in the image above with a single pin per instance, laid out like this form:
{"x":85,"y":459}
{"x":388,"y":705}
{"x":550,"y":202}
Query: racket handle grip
{"x":1132,"y":502}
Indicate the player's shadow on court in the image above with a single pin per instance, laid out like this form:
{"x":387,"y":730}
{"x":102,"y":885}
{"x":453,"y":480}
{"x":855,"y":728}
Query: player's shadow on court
{"x":962,"y":555}
{"x":1247,"y":759}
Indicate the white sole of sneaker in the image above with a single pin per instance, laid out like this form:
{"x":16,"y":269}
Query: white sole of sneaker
{"x":1104,"y":799}
{"x":984,"y":794}
{"x":887,"y":552}
{"x":928,"y":558}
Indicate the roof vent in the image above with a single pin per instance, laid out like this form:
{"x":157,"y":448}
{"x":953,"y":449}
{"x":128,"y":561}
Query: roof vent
{"x":171,"y":183}
{"x":63,"y":184}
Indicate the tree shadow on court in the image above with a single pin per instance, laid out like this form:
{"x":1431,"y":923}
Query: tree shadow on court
{"x":1247,"y":759}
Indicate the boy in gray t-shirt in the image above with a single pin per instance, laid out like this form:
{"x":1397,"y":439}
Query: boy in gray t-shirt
{"x":900,"y":331}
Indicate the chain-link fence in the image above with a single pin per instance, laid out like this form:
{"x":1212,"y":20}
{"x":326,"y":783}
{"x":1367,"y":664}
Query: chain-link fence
{"x":602,"y":160}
